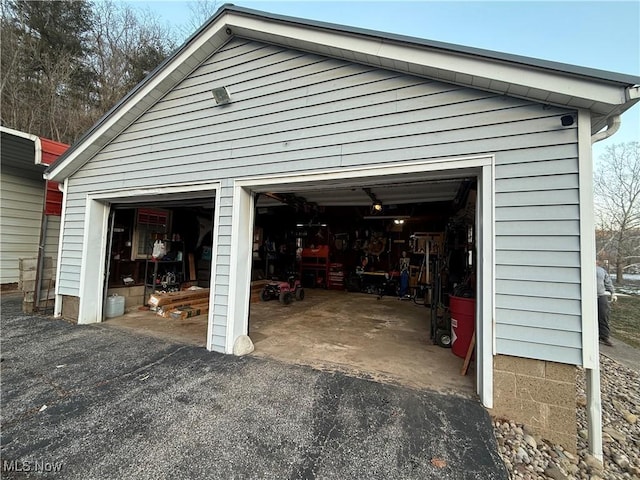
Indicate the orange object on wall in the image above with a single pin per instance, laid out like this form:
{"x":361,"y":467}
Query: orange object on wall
{"x":51,"y":150}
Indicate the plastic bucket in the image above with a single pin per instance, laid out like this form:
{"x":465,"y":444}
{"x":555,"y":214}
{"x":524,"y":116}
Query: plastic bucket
{"x":115,"y":306}
{"x":463,"y":324}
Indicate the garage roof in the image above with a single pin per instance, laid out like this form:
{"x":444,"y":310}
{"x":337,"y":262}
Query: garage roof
{"x":605,"y":94}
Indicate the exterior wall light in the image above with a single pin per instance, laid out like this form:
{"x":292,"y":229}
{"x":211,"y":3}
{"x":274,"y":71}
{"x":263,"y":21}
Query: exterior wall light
{"x":221,"y":95}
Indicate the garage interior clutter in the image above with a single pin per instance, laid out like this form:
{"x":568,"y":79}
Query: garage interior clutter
{"x":411,"y":242}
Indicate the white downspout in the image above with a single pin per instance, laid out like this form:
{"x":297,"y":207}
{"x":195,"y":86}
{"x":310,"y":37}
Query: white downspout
{"x":613,"y":124}
{"x":57,"y":309}
{"x":590,"y":347}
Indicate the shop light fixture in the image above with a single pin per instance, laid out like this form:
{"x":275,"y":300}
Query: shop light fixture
{"x":376,"y":206}
{"x":395,"y":218}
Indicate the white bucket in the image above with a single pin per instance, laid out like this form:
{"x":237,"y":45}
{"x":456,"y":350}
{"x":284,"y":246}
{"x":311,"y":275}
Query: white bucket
{"x":115,"y":306}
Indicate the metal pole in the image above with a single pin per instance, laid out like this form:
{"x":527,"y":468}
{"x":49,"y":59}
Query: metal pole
{"x":40,"y":260}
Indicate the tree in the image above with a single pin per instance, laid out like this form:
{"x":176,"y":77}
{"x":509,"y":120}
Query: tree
{"x":201,"y":11}
{"x":65,"y":63}
{"x":44,"y":74}
{"x":617,"y":205}
{"x":126,"y":49}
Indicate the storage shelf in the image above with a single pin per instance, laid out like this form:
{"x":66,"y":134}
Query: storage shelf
{"x":157,"y":269}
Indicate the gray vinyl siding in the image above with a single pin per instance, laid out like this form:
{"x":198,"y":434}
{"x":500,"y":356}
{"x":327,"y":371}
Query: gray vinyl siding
{"x":22,"y":202}
{"x":52,"y":238}
{"x":295,"y":111}
{"x":537,"y":254}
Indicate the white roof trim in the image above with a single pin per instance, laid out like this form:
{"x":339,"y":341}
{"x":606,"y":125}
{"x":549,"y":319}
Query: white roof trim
{"x":543,"y":82}
{"x":34,"y":138}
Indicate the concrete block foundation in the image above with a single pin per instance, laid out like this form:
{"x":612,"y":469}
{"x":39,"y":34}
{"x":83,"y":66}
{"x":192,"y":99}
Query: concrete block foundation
{"x":70,"y":308}
{"x":28,"y":283}
{"x":538,"y":394}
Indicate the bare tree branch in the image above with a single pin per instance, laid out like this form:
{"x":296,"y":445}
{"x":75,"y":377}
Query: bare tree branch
{"x":617,"y":205}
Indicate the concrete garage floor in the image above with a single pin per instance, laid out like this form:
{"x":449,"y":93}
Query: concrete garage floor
{"x":386,"y":340}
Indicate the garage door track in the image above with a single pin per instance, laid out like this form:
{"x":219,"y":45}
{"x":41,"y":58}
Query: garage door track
{"x":82,"y":402}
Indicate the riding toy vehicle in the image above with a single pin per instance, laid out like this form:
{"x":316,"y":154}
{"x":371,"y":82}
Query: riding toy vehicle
{"x":283,"y":291}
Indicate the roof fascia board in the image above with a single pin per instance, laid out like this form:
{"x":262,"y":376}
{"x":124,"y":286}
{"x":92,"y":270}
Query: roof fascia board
{"x":527,"y":76}
{"x":34,"y":138}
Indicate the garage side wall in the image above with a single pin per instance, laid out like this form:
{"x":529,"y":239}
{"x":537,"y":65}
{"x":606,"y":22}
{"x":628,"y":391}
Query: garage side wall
{"x":22,"y":199}
{"x":293,"y":111}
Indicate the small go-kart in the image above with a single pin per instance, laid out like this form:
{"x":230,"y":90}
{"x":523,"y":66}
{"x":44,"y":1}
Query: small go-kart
{"x":283,"y":291}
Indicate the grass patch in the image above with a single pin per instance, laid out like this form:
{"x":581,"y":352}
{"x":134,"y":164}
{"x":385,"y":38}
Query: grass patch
{"x":625,"y":319}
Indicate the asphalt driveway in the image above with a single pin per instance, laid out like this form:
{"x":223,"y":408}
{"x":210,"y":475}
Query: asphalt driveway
{"x":122,"y":405}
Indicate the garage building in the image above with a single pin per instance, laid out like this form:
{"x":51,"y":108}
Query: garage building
{"x":268,"y":144}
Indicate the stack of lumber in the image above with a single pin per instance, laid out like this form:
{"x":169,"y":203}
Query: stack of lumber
{"x":189,"y":311}
{"x":180,"y":305}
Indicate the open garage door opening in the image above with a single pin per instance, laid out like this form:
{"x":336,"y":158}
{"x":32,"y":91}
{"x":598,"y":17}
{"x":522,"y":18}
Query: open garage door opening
{"x":159,"y":267}
{"x":364,"y":278}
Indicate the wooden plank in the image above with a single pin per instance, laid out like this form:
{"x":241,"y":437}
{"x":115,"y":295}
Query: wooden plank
{"x":180,"y":303}
{"x":192,"y":268}
{"x":467,"y":358}
{"x":167,"y":311}
{"x":188,"y":312}
{"x":160,"y":299}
